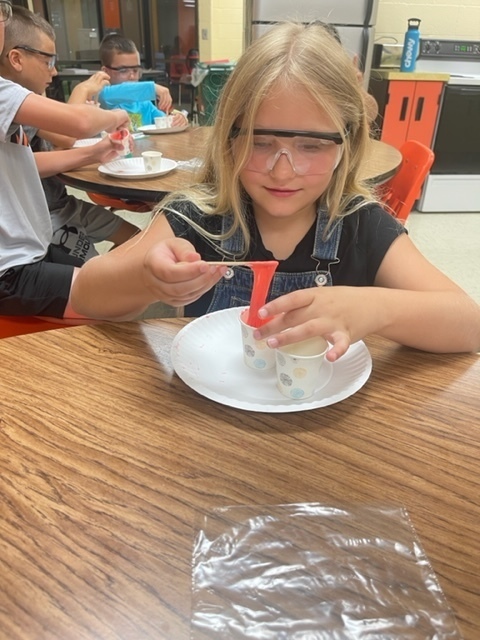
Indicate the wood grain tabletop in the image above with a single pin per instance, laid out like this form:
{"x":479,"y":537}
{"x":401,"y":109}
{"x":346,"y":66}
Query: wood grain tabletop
{"x":108,"y":461}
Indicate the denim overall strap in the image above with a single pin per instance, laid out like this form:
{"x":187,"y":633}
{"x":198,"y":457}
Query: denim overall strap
{"x":235,"y":288}
{"x":326,"y":249}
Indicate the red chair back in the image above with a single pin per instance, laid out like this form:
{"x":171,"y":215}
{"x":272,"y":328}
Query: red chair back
{"x":400,"y":192}
{"x":19,"y":325}
{"x":118,"y":203}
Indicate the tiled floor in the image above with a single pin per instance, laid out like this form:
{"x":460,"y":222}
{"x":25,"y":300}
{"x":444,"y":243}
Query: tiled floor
{"x":451,"y":241}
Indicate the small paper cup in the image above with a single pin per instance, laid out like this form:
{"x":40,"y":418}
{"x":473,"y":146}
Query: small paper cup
{"x":152,"y":161}
{"x":298,"y":367}
{"x":161,"y":122}
{"x":123,"y":136}
{"x":256,"y":354}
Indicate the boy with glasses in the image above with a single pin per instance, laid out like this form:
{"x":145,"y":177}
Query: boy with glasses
{"x":121,"y":61}
{"x":77,"y":224}
{"x":36,"y":276}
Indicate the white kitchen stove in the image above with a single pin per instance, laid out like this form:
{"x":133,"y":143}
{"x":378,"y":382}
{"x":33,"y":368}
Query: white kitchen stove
{"x":454,"y":181}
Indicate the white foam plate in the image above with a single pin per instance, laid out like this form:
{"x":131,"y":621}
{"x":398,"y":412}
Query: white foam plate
{"x":131,"y":168}
{"x":207,"y":355}
{"x":152,"y":129}
{"x":86,"y":142}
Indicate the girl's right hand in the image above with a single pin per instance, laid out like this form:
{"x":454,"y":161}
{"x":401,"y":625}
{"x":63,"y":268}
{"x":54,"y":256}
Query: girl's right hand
{"x":175,"y":273}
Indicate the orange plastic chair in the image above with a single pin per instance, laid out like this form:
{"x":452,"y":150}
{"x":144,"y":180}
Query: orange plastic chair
{"x":19,"y":325}
{"x":177,"y":69}
{"x":118,"y":203}
{"x":400,"y":192}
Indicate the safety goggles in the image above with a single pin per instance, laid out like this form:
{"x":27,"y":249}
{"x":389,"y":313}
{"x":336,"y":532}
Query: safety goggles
{"x":52,"y":57}
{"x":125,"y":72}
{"x":308,"y":152}
{"x":5,"y":11}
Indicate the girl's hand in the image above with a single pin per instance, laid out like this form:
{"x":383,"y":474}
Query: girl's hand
{"x":175,"y":273}
{"x":164,"y":99}
{"x":342,"y":315}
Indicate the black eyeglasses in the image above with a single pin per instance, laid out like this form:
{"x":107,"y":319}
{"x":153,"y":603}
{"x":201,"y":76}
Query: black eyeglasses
{"x":125,"y":71}
{"x":52,"y":56}
{"x":5,"y":11}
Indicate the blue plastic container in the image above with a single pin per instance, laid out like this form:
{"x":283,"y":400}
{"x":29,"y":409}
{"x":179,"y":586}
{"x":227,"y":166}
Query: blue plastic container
{"x":411,"y":45}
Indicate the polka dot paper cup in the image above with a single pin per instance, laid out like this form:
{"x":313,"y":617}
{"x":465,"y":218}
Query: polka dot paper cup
{"x":298,"y":367}
{"x":256,"y":353}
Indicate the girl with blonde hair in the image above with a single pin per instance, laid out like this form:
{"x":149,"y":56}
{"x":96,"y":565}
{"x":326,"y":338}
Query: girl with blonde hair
{"x":281,"y":181}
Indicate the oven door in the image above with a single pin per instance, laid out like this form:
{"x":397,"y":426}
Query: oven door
{"x":457,"y":141}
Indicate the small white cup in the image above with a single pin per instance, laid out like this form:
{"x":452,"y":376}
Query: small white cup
{"x":256,"y":354}
{"x":152,"y":161}
{"x":163,"y":122}
{"x":298,"y":367}
{"x":125,"y":141}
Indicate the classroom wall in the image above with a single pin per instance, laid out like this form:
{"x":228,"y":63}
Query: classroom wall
{"x":440,"y":19}
{"x":222,"y":24}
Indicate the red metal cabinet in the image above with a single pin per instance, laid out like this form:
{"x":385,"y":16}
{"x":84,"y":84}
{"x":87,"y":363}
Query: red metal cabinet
{"x":410,"y":111}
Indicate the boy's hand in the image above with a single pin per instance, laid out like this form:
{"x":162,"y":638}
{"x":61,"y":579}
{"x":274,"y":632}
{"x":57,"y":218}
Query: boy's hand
{"x":88,"y":90}
{"x":96,"y":83}
{"x":121,"y":120}
{"x":179,"y":119}
{"x":164,"y":99}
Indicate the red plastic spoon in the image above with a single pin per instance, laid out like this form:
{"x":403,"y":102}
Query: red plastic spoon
{"x":262,"y":277}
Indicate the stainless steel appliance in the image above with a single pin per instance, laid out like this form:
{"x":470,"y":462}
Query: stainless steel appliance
{"x":454,"y":181}
{"x":354,"y":19}
{"x":387,"y":56}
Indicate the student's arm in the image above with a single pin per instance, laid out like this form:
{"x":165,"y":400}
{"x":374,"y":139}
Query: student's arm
{"x":153,"y":266}
{"x":412,"y":303}
{"x":79,"y":121}
{"x":82,"y":93}
{"x":88,"y":90}
{"x":50,"y":163}
{"x":57,"y":140}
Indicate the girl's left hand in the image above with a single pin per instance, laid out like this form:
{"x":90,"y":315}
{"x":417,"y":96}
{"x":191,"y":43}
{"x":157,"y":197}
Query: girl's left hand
{"x":342,"y":315}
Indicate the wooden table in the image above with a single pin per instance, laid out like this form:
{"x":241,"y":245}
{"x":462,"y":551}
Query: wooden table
{"x":381,"y":164}
{"x":108,"y":459}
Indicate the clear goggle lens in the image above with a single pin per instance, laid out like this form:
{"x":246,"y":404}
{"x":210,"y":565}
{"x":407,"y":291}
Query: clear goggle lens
{"x":126,"y":72}
{"x":309,"y":153}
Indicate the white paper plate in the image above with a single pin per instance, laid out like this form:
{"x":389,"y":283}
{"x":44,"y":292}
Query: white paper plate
{"x":152,"y":129}
{"x":131,"y":168}
{"x":207,"y":355}
{"x":86,"y":142}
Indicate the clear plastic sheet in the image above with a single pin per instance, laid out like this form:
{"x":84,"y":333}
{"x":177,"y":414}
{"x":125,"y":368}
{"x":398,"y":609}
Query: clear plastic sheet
{"x":314,"y":572}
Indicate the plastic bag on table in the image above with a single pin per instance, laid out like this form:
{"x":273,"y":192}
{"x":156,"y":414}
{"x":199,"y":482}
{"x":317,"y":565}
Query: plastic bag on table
{"x":315,"y":572}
